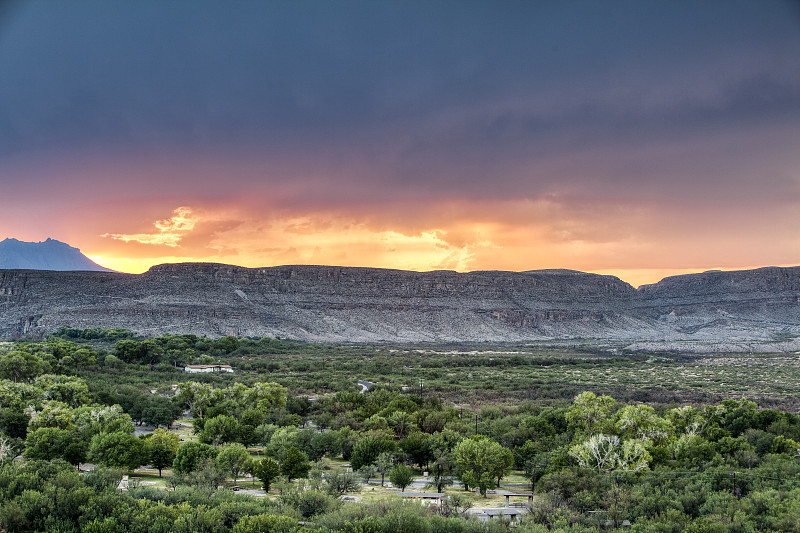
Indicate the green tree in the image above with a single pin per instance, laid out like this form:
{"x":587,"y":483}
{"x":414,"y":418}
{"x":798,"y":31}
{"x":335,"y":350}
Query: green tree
{"x":368,"y":448}
{"x":266,"y":523}
{"x":783,"y":445}
{"x":445,"y":440}
{"x":690,"y":420}
{"x":130,"y":351}
{"x":220,"y":429}
{"x":19,"y":395}
{"x":266,"y":396}
{"x":66,"y":389}
{"x":162,"y":446}
{"x":227,"y":344}
{"x":401,"y":476}
{"x":207,"y":473}
{"x":692,"y":449}
{"x":267,"y":470}
{"x":310,"y":502}
{"x":234,"y":459}
{"x":281,"y":440}
{"x":641,"y":422}
{"x":101,"y":478}
{"x":159,"y":411}
{"x":402,"y":423}
{"x":13,"y":422}
{"x":295,"y":465}
{"x":118,"y":450}
{"x":51,"y":414}
{"x":739,"y":415}
{"x":339,"y":483}
{"x":442,"y":470}
{"x":384,"y":464}
{"x":416,"y":446}
{"x":367,"y":472}
{"x":481,"y":461}
{"x":502,"y":464}
{"x":20,"y":366}
{"x":84,"y":356}
{"x":49,"y":443}
{"x":199,"y":519}
{"x":189,"y":454}
{"x":94,"y":419}
{"x":45,"y":443}
{"x":195,"y":396}
{"x":250,"y":420}
{"x":326,"y":443}
{"x":590,"y":413}
{"x":112,"y":361}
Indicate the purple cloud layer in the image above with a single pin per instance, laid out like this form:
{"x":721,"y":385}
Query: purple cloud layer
{"x":626,"y":125}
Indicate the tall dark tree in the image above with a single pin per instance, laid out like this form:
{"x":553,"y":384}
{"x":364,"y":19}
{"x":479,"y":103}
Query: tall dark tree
{"x":161,"y":448}
{"x":295,"y":465}
{"x":267,"y":470}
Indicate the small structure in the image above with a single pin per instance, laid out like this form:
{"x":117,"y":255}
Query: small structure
{"x":431,"y":498}
{"x":484,"y":514}
{"x":196,"y":369}
{"x":521,"y":495}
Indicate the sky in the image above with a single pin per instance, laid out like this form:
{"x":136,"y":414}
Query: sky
{"x":635,"y":138}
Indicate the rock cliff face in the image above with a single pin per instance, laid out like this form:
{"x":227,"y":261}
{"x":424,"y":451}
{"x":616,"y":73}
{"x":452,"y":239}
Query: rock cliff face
{"x":363,"y":304}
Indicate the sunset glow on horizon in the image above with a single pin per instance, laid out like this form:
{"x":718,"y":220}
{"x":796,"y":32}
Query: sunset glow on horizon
{"x":636,"y":139}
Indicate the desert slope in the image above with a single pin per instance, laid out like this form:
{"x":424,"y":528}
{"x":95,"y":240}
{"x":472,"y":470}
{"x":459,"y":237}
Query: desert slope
{"x":364,"y":304}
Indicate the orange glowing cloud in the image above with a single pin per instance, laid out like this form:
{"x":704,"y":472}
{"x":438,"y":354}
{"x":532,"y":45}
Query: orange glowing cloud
{"x":457,"y":235}
{"x":170,"y":230}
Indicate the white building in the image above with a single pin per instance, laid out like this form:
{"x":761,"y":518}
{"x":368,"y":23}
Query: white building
{"x":196,"y":369}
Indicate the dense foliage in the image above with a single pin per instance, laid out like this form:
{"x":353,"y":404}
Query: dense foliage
{"x":596,"y":461}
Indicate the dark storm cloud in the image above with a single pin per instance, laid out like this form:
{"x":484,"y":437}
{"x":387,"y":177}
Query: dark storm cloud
{"x":389,"y":99}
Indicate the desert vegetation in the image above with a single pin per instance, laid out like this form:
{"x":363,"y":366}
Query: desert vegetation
{"x":105,"y":431}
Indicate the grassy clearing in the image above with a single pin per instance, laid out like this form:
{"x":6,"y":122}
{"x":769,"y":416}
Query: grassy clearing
{"x":149,"y":477}
{"x":184,"y":427}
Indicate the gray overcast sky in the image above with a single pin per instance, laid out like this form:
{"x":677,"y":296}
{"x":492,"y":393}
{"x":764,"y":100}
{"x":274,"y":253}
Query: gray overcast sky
{"x":312,"y":106}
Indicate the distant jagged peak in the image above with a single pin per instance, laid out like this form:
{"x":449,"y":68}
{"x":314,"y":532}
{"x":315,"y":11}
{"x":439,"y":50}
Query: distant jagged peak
{"x":48,"y":241}
{"x":50,"y":254}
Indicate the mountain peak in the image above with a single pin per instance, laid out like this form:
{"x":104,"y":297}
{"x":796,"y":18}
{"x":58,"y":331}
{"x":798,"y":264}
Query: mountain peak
{"x":49,"y":254}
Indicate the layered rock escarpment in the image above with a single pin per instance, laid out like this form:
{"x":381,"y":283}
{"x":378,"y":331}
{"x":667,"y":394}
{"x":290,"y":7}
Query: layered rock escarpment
{"x":755,"y":305}
{"x":364,"y":304}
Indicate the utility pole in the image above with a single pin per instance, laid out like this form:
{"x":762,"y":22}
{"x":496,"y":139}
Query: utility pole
{"x":533,"y":479}
{"x":734,"y":483}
